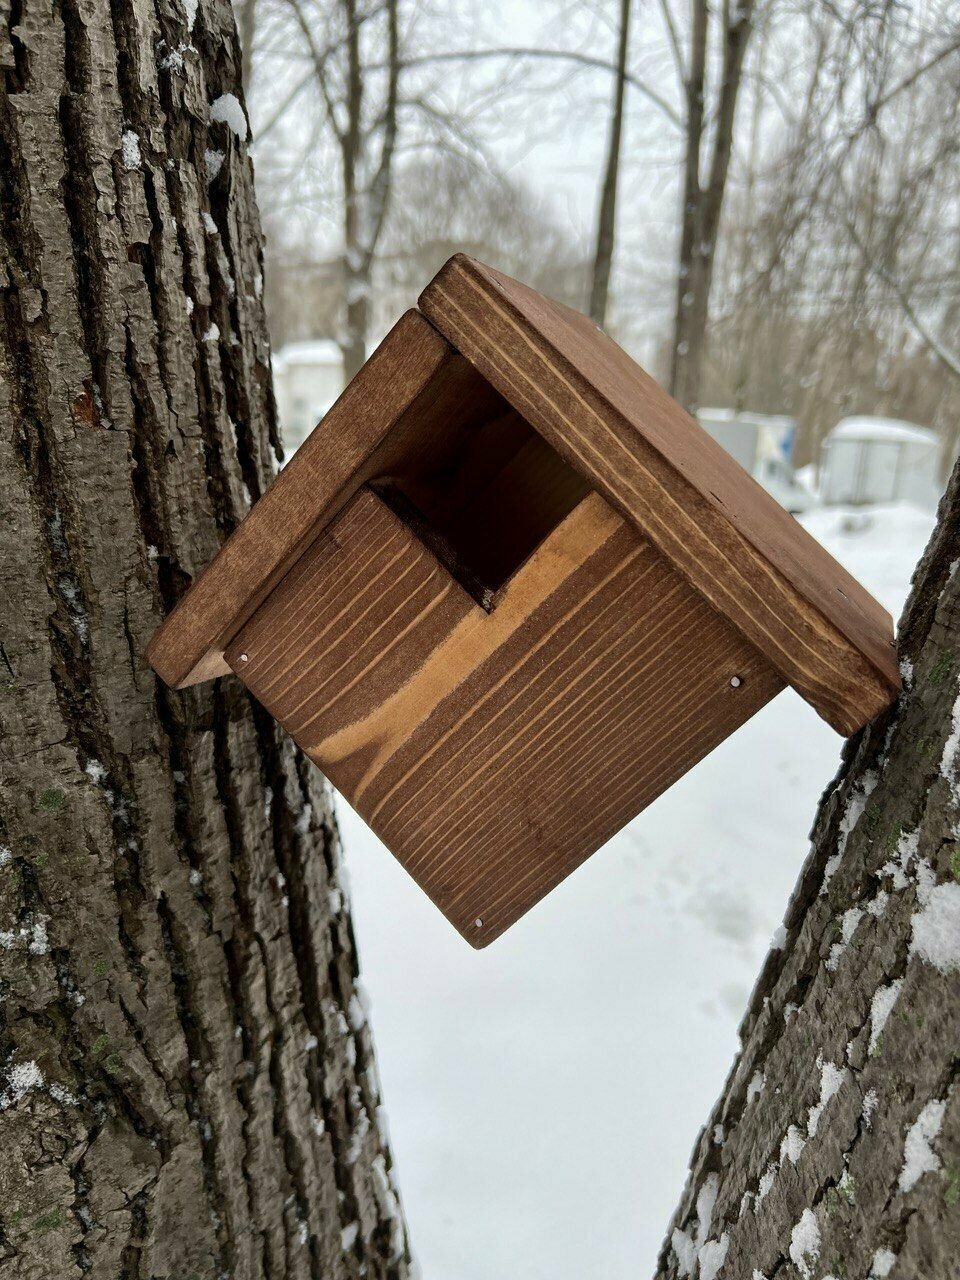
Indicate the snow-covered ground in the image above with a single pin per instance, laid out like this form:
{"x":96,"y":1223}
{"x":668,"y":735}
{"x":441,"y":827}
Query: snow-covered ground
{"x":544,"y":1094}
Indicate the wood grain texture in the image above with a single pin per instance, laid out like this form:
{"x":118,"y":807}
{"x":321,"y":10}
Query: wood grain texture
{"x":494,"y":752}
{"x":320,"y":477}
{"x":652,"y":462}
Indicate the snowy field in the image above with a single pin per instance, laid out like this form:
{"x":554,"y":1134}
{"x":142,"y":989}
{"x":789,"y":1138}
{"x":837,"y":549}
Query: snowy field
{"x":544,"y":1094}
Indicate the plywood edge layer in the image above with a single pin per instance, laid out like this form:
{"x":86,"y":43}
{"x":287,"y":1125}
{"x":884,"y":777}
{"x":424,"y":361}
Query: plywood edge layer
{"x":305,"y":496}
{"x":826,"y":635}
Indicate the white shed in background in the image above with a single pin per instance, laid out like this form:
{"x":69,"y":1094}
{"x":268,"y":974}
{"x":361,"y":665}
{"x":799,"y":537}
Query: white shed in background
{"x":307,"y":378}
{"x":868,"y":460}
{"x":763,"y":445}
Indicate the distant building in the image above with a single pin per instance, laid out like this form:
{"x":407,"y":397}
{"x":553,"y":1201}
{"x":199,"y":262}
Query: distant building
{"x":867,"y":460}
{"x":307,"y":378}
{"x":763,"y":445}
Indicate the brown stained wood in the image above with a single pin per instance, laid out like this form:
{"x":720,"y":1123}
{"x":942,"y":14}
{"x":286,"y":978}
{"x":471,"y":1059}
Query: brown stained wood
{"x":419,"y":419}
{"x":650,"y":460}
{"x":508,"y":592}
{"x":321,"y":476}
{"x":494,"y":752}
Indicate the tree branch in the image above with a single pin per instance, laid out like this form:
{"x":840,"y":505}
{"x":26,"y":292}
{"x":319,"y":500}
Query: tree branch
{"x":379,"y":193}
{"x":607,"y":213}
{"x":545,"y":55}
{"x":949,"y":359}
{"x":318,"y":58}
{"x":674,"y":38}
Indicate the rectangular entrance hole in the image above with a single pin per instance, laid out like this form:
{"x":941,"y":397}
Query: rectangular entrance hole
{"x":476,"y":483}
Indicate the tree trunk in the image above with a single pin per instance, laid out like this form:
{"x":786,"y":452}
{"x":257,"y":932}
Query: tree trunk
{"x":690,"y":258}
{"x":607,"y":215}
{"x":835,"y":1147}
{"x":247,"y":25}
{"x":353,"y":343}
{"x":703,"y":201}
{"x":187,"y":1082}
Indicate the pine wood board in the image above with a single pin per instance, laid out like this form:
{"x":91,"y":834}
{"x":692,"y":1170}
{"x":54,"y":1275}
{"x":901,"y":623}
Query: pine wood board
{"x":493,"y":752}
{"x":728,"y":537}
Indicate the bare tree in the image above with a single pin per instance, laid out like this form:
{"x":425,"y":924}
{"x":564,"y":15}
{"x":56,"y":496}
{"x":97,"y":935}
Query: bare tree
{"x":607,"y":213}
{"x":247,"y":30}
{"x":364,"y":125}
{"x":187,"y":1080}
{"x":835,"y":1146}
{"x":708,"y":144}
{"x":476,"y":210}
{"x":837,"y":286}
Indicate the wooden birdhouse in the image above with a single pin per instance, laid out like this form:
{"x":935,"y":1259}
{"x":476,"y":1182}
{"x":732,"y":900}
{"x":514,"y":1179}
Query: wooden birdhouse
{"x":508,"y":591}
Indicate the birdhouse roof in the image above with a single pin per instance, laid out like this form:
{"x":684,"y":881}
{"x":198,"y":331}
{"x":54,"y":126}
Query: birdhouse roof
{"x":634,"y":445}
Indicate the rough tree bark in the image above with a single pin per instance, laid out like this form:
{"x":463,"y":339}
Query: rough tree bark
{"x":187,"y":1081}
{"x":834,"y":1150}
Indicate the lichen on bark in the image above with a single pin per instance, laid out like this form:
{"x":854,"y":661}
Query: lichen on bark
{"x":187,"y":1080}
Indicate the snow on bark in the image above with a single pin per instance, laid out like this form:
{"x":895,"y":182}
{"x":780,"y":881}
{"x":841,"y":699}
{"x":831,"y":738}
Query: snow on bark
{"x":881,"y":1006}
{"x":755,"y":1087}
{"x":848,"y":927}
{"x":685,"y":1252}
{"x":853,"y":811}
{"x":831,"y":1078}
{"x":21,"y":1078}
{"x":805,"y":1243}
{"x":130,"y":150}
{"x":791,"y":1148}
{"x":936,"y":928}
{"x":227,"y":110}
{"x":951,"y":750}
{"x":711,"y":1257}
{"x":882,"y":1264}
{"x":919,"y":1156}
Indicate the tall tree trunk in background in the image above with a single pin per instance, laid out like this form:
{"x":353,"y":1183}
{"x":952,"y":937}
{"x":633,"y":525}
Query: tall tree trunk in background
{"x":187,"y":1082}
{"x":607,"y":215}
{"x":247,"y":28}
{"x":835,"y":1147}
{"x":704,"y":185}
{"x":367,"y":179}
{"x":356,"y":278}
{"x":367,"y":146}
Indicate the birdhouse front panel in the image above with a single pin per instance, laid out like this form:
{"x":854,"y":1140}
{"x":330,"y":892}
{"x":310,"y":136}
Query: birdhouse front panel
{"x":508,"y":591}
{"x":494,"y":749}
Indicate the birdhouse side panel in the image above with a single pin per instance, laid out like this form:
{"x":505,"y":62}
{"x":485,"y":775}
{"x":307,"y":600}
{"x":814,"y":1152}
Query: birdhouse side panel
{"x":494,"y":752}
